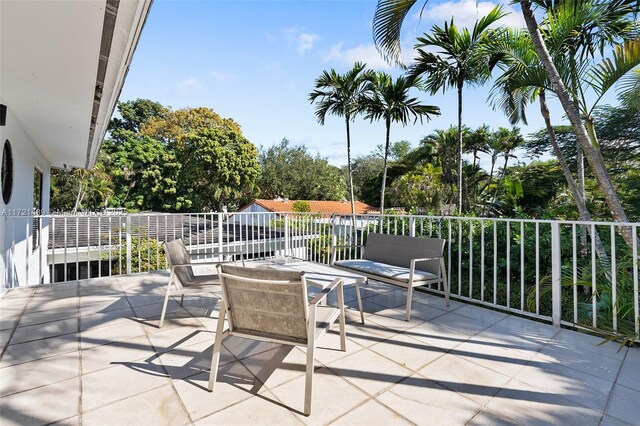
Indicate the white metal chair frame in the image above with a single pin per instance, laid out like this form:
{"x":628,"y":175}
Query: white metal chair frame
{"x":312,"y":333}
{"x":182,"y":288}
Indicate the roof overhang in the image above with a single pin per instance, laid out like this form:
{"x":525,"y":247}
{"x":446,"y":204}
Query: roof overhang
{"x":62,"y":67}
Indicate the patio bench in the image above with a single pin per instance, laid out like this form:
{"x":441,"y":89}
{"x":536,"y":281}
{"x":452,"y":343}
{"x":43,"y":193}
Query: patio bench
{"x":400,"y":260}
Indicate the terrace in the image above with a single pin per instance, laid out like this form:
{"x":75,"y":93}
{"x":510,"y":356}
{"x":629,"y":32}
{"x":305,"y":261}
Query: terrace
{"x":90,"y":351}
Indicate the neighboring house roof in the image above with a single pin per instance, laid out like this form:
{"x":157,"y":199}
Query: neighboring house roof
{"x":85,"y":231}
{"x":340,"y":207}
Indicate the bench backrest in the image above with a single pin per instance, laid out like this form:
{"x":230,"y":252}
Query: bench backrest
{"x":398,"y":250}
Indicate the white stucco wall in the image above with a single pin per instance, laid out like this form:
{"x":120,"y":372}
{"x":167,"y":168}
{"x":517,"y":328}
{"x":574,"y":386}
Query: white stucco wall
{"x":20,"y":264}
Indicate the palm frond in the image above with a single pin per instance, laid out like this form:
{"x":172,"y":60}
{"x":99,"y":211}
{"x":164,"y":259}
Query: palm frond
{"x":626,"y":56}
{"x":387,"y":24}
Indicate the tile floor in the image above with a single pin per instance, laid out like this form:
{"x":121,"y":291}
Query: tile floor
{"x":90,"y":353}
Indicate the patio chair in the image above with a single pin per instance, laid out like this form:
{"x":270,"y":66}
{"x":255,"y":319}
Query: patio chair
{"x":182,"y":276}
{"x":272,"y":305}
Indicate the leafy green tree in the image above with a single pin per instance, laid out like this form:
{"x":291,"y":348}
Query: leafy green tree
{"x":219,"y":167}
{"x":389,"y":100}
{"x":292,"y":172}
{"x":463,"y":57}
{"x":341,"y":95}
{"x":420,"y":188}
{"x":133,"y":114}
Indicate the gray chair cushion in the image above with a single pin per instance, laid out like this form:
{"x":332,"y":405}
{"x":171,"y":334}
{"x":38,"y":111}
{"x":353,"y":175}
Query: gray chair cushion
{"x":397,"y":273}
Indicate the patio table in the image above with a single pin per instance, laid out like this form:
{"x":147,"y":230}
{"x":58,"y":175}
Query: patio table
{"x":317,"y":274}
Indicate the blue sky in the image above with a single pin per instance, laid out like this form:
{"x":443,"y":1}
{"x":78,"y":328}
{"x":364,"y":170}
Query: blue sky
{"x":256,"y":62}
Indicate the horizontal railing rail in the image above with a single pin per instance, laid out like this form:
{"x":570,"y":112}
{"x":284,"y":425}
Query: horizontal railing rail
{"x":561,"y":271}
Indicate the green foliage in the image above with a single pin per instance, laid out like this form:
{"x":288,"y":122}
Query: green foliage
{"x":292,"y":172}
{"x":163,"y":160}
{"x":301,"y":206}
{"x":147,"y":254}
{"x":419,"y":188}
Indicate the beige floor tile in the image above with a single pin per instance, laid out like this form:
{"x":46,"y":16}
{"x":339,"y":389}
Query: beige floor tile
{"x":332,"y":397}
{"x":243,"y":348}
{"x":156,"y":407}
{"x":119,"y":317}
{"x":29,"y":375}
{"x":629,"y":374}
{"x":462,"y":324}
{"x":504,"y":361}
{"x":394,"y":320}
{"x":102,"y":304}
{"x":573,"y":339}
{"x":464,"y":377}
{"x":106,"y":356}
{"x":491,"y":418}
{"x":4,"y":336}
{"x":612,"y":421}
{"x":38,"y":349}
{"x":8,"y":320}
{"x":528,"y":328}
{"x":425,"y":402}
{"x":189,"y":332}
{"x":440,"y":303}
{"x":407,"y":351}
{"x":186,"y":361}
{"x":506,"y":338}
{"x":328,"y":347}
{"x":45,"y":317}
{"x":120,"y":382}
{"x":604,"y":367}
{"x":436,"y":335}
{"x":44,"y":331}
{"x":582,"y":388}
{"x":371,"y":413}
{"x":261,"y":410}
{"x":481,"y":314}
{"x":527,"y":405}
{"x":624,"y":404}
{"x":278,"y":365}
{"x":368,"y":334}
{"x":369,"y":371}
{"x":112,"y":334}
{"x":43,"y":405}
{"x":234,"y":384}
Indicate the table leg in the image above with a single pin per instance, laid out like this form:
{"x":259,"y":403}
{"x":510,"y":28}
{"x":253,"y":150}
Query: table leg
{"x":359,"y":301}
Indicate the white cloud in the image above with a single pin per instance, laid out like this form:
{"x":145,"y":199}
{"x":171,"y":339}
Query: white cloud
{"x":366,"y":53}
{"x":306,"y":42}
{"x":187,"y":85}
{"x":221,"y":76}
{"x":303,"y":41}
{"x":467,"y":12}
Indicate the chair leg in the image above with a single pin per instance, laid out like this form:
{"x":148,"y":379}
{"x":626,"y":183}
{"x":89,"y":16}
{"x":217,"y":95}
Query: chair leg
{"x":166,"y":300}
{"x":308,"y":383}
{"x":359,"y":302}
{"x":445,"y":281}
{"x":409,"y":297}
{"x":217,"y":347}
{"x":341,"y":320}
{"x":181,"y":300}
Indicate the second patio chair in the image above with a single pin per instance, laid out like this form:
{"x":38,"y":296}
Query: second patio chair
{"x":182,"y":279}
{"x":272,"y":305}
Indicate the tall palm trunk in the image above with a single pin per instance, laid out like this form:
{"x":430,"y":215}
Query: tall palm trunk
{"x":384,"y":167}
{"x":352,"y":198}
{"x":575,"y":191}
{"x":460,"y":147}
{"x":494,"y":158}
{"x":502,"y":175}
{"x":591,"y":153}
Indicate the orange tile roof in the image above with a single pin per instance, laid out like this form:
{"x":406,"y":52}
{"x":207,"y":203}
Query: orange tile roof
{"x":340,"y":207}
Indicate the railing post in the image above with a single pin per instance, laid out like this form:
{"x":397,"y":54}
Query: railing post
{"x":556,"y":274}
{"x":220,"y":242}
{"x":287,"y":240}
{"x":128,"y":243}
{"x":412,"y":226}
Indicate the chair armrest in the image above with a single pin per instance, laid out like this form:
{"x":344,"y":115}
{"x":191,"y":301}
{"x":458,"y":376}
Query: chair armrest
{"x":323,"y":294}
{"x":184,"y":265}
{"x":422,"y":259}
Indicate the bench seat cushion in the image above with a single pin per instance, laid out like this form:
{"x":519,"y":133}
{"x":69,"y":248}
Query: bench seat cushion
{"x":397,"y":273}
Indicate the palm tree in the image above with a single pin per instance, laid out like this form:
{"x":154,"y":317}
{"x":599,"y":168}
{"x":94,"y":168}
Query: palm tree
{"x":387,"y":24}
{"x":523,"y":80}
{"x":511,"y":140}
{"x":389,"y":99}
{"x":462,"y":58}
{"x":341,"y":95}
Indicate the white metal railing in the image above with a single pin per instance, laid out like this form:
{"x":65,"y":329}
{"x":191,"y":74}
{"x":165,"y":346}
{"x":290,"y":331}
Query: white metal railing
{"x":544,"y":269}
